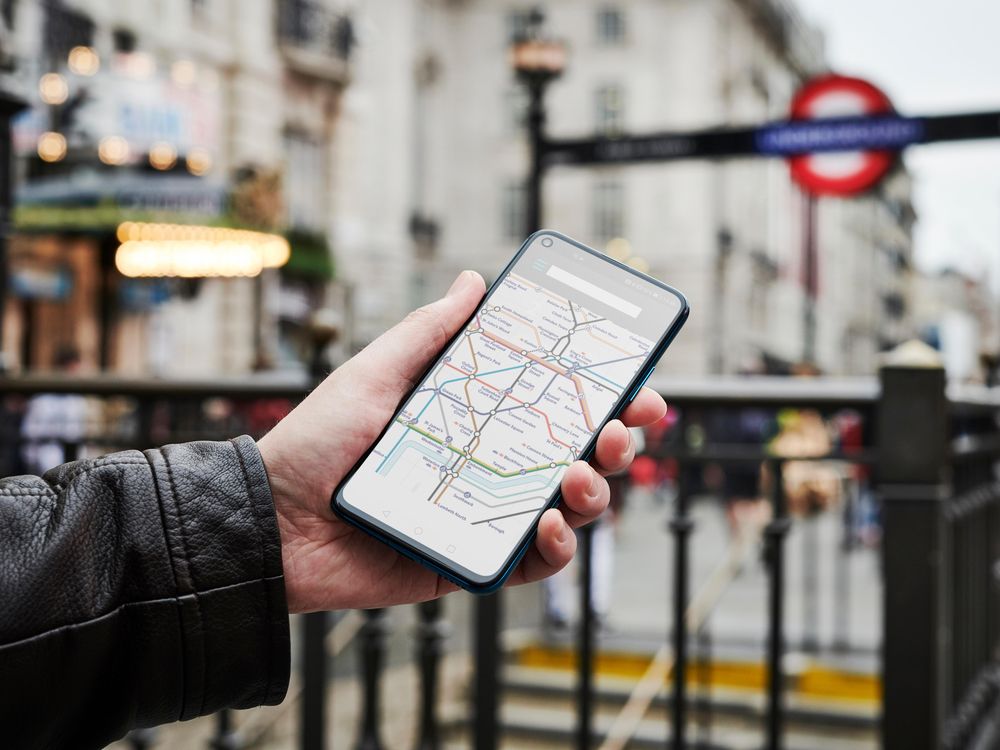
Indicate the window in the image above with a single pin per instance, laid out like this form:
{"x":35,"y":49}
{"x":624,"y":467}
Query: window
{"x":609,"y":109}
{"x":515,"y":108}
{"x":514,"y":217}
{"x":610,"y":26}
{"x":518,"y":23}
{"x":63,"y":29}
{"x":608,"y":210}
{"x":123,"y":40}
{"x":305,"y":181}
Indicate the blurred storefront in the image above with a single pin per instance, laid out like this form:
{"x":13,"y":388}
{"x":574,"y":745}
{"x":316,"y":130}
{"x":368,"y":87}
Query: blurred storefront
{"x":133,"y":118}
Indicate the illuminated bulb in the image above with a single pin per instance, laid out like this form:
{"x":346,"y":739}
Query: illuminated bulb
{"x":196,"y":251}
{"x":51,"y":146}
{"x":162,"y":155}
{"x":140,"y":65}
{"x":199,"y":161}
{"x":183,"y":73}
{"x":84,"y":61}
{"x":53,"y":88}
{"x":113,"y":150}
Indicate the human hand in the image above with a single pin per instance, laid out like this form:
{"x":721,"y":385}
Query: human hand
{"x":329,"y":564}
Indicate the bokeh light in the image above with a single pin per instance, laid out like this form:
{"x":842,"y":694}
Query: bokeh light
{"x":53,"y":88}
{"x":113,"y":150}
{"x":139,"y":65}
{"x":84,"y":61}
{"x":639,"y":264}
{"x":162,"y":155}
{"x":183,"y":73}
{"x":199,"y":161}
{"x":196,"y":251}
{"x":619,"y":248}
{"x":51,"y":146}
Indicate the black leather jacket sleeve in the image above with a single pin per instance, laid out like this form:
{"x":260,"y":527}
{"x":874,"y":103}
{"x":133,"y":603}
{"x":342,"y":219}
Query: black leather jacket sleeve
{"x":138,"y":589}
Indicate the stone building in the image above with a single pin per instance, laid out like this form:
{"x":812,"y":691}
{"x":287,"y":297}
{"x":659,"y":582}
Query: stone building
{"x":218,"y":112}
{"x":435,"y":102}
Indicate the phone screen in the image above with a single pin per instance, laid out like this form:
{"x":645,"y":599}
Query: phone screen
{"x":477,"y":451}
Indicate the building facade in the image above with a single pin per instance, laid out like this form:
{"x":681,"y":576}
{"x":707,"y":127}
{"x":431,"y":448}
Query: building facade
{"x":448,"y":192}
{"x":218,"y":112}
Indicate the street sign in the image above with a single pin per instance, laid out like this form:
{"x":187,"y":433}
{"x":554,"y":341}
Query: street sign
{"x":845,"y":172}
{"x":785,"y":138}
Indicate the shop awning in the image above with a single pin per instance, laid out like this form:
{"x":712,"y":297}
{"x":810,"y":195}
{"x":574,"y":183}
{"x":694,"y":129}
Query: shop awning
{"x":98,"y":203}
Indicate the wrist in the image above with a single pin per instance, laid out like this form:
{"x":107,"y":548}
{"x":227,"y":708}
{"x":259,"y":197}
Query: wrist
{"x":286,"y":490}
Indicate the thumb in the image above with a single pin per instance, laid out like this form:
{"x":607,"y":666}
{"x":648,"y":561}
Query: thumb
{"x":400,"y":355}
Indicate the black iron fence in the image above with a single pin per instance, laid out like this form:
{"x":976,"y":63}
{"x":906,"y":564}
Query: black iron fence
{"x":929,"y":453}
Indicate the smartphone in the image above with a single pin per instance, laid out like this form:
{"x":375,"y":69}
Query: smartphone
{"x":561,"y":343}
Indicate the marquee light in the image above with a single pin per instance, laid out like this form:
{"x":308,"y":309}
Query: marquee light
{"x":162,"y":155}
{"x":84,"y":61}
{"x":196,"y":251}
{"x":51,"y":146}
{"x":113,"y":150}
{"x":53,"y":88}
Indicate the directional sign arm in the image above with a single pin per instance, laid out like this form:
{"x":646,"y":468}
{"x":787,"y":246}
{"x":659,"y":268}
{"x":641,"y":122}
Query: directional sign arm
{"x":782,"y":139}
{"x":962,"y":127}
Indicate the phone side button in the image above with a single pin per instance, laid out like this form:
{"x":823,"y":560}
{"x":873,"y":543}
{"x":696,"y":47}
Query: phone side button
{"x":635,"y":391}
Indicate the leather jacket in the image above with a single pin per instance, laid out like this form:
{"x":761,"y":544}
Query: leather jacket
{"x":138,"y":589}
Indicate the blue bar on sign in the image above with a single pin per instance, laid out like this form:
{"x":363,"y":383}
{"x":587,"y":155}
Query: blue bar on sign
{"x":889,"y":132}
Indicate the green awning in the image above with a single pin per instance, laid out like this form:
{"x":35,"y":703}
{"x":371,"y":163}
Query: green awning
{"x":311,"y":257}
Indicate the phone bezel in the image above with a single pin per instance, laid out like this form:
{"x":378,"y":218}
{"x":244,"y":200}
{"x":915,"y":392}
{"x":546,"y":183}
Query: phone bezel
{"x":439,"y":563}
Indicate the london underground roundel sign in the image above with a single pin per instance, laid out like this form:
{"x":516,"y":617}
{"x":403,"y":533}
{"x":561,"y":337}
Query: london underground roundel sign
{"x":842,"y":173}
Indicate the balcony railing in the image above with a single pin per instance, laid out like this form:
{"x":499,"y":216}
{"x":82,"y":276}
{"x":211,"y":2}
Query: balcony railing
{"x":929,"y":453}
{"x":315,"y":39}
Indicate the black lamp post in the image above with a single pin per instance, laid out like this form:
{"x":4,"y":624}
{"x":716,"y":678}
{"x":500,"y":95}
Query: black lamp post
{"x":537,"y":60}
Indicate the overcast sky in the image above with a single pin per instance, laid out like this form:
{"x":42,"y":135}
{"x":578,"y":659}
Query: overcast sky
{"x":932,"y":56}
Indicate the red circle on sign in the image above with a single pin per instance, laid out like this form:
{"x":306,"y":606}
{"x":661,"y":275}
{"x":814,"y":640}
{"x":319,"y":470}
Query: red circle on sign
{"x":874,"y":164}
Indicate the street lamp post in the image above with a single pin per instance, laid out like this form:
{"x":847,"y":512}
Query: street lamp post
{"x":537,"y":61}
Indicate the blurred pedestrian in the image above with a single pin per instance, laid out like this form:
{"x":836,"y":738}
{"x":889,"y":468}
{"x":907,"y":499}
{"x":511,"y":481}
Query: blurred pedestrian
{"x":741,"y":488}
{"x":560,"y":589}
{"x":810,"y":486}
{"x":54,"y":423}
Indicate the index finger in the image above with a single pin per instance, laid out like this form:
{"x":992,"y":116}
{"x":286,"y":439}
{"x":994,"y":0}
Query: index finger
{"x":647,"y":407}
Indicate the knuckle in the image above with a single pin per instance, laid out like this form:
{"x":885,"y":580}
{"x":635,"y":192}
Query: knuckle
{"x":429,"y":321}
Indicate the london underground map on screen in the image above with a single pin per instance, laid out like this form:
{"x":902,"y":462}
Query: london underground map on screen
{"x":482,"y":444}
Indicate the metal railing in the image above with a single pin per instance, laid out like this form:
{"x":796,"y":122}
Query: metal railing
{"x":932,"y":454}
{"x":312,"y":26}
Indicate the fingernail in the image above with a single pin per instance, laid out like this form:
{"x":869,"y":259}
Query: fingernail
{"x":628,"y":446}
{"x":458,"y":283}
{"x":595,"y":487}
{"x":563,"y":536}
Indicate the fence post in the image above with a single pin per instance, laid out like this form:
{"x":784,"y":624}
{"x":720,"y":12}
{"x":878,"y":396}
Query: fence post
{"x":431,"y":632}
{"x":681,"y":526}
{"x":225,"y":737}
{"x":373,"y":634}
{"x":775,"y":534}
{"x":585,"y":645}
{"x":312,"y":711}
{"x":486,"y":730}
{"x":141,"y":739}
{"x":912,"y":439}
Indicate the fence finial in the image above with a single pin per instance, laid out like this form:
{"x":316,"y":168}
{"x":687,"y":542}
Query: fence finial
{"x":913,"y":353}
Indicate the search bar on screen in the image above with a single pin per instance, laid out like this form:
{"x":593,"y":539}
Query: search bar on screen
{"x":594,"y":291}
